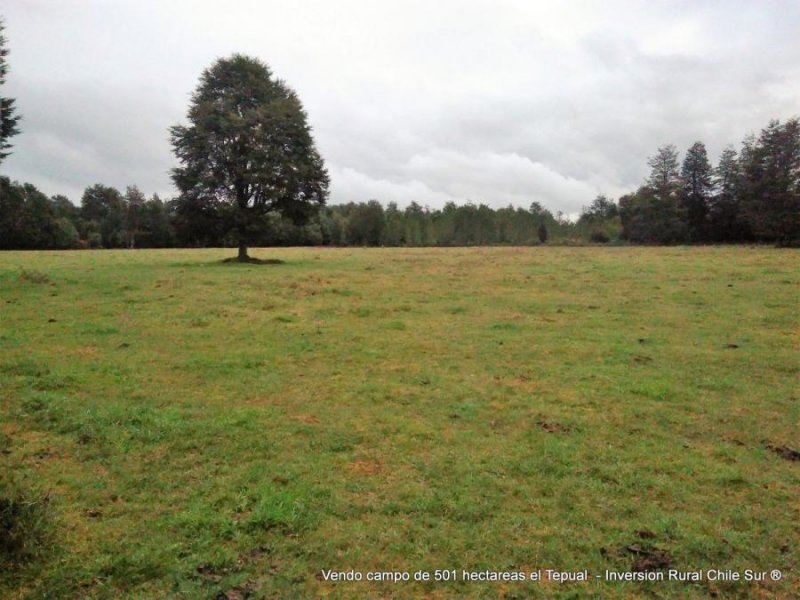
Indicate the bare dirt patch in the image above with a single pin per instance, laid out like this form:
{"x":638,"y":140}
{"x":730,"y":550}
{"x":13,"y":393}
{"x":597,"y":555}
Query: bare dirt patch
{"x":307,"y":419}
{"x":552,"y":426}
{"x":365,"y":467}
{"x":648,"y":558}
{"x":785,"y":452}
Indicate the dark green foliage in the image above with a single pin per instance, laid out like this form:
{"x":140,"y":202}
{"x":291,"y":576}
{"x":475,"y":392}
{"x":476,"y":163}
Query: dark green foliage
{"x":155,"y":228}
{"x":248,"y":148}
{"x":11,"y":203}
{"x":753,"y":198}
{"x":516,"y":226}
{"x":67,"y":216}
{"x":37,"y":219}
{"x":655,"y":213}
{"x":8,"y":119}
{"x":600,"y":221}
{"x":29,"y":220}
{"x":134,"y":208}
{"x":197,"y":221}
{"x":393,"y":228}
{"x":770,"y":183}
{"x":630,"y":212}
{"x":65,"y":234}
{"x":466,"y":225}
{"x":366,"y":224}
{"x":418,"y":225}
{"x":474,"y":225}
{"x":600,"y":209}
{"x":103,"y":210}
{"x":664,"y":214}
{"x":651,"y":218}
{"x":726,"y":218}
{"x":64,"y":209}
{"x":94,"y":240}
{"x":696,"y":193}
{"x":542,"y":233}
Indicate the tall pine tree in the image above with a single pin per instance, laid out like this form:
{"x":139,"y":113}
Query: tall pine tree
{"x":665,"y":216}
{"x":771,"y":183}
{"x":696,"y":192}
{"x":8,"y":121}
{"x":726,"y":222}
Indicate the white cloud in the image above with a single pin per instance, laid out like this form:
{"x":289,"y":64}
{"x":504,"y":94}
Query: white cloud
{"x":489,"y":178}
{"x":350,"y":185}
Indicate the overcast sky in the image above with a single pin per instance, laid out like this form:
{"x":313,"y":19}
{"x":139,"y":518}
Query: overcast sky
{"x":497,"y":101}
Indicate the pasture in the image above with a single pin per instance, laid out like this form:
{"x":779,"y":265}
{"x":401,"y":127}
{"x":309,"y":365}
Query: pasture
{"x":172,"y":426}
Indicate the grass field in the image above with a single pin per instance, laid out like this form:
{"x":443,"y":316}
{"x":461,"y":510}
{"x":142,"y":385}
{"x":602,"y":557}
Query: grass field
{"x":172,"y":426}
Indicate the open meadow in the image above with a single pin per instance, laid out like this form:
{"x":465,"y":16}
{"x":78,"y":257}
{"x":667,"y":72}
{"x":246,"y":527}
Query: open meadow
{"x":172,"y":426}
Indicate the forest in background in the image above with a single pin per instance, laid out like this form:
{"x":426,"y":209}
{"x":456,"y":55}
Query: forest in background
{"x":751,"y":196}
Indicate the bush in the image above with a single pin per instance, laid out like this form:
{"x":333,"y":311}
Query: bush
{"x":66,"y":236}
{"x":95,"y":240}
{"x":599,"y":237}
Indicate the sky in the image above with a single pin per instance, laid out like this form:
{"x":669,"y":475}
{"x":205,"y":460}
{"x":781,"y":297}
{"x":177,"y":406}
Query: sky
{"x":501,"y":102}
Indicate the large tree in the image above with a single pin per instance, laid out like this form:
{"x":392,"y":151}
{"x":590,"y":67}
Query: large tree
{"x":771,"y":183}
{"x":8,"y":122}
{"x":664,"y":213}
{"x":664,"y":178}
{"x":248,"y":150}
{"x":103,"y":213}
{"x":725,"y":211}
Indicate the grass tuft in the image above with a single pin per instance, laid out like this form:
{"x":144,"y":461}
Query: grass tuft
{"x":34,"y":276}
{"x":26,"y":524}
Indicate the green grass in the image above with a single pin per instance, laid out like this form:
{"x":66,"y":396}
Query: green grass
{"x":200,"y":427}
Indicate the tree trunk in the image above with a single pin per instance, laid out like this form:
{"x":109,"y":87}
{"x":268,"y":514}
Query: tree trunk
{"x":241,"y":226}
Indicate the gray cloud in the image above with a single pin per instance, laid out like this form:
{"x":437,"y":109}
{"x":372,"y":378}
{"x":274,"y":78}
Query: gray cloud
{"x":497,"y":102}
{"x":84,"y":132}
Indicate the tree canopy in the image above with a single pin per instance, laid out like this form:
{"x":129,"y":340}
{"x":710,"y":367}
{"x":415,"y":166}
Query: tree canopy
{"x":8,"y":120}
{"x":247,"y":151}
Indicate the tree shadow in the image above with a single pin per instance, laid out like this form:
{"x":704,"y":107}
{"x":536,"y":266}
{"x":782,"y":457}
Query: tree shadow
{"x":253,"y":261}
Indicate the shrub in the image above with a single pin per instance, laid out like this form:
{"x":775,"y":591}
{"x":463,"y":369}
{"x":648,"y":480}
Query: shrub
{"x":66,"y":236}
{"x":95,"y":240}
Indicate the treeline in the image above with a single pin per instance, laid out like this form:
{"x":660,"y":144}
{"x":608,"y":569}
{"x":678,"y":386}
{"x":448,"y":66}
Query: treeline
{"x":752,"y":195}
{"x":107,"y":218}
{"x":29,"y":220}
